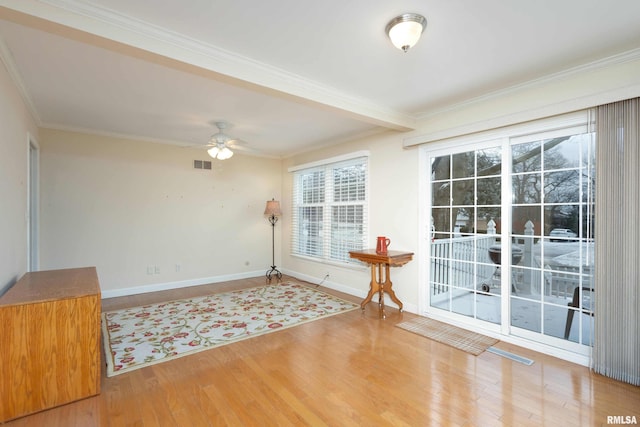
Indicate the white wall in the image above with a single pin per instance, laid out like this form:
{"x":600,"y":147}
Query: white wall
{"x":16,"y":124}
{"x":124,"y":206}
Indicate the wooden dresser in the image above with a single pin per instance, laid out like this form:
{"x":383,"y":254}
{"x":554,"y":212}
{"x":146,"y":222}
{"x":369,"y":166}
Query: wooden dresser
{"x":49,"y":341}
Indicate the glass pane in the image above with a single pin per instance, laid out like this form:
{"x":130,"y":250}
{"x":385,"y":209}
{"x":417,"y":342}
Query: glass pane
{"x":526,"y":188}
{"x":489,"y":161}
{"x":489,"y":191}
{"x":440,"y":193}
{"x":485,"y":267}
{"x":463,"y":192}
{"x":463,"y":165}
{"x":310,"y":231}
{"x":441,"y":168}
{"x":440,"y":296}
{"x":485,"y":215}
{"x":526,"y":157}
{"x":441,"y":219}
{"x":555,"y":320}
{"x":349,"y":183}
{"x":465,"y":219}
{"x":462,"y":303}
{"x":528,"y":280}
{"x":346,"y":231}
{"x":526,"y":314}
{"x":440,"y":271}
{"x":521,"y":215}
{"x":313,"y":187}
{"x":462,"y":273}
{"x":562,"y":187}
{"x":562,"y":222}
{"x":488,"y":307}
{"x":563,"y":152}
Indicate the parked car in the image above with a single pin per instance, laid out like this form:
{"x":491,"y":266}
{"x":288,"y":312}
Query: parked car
{"x":562,"y":234}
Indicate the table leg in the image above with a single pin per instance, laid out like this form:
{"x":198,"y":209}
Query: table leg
{"x":381,"y":290}
{"x":373,"y":287}
{"x":381,"y":283}
{"x":390,"y":291}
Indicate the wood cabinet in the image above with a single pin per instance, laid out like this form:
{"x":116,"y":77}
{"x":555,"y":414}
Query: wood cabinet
{"x":49,"y":341}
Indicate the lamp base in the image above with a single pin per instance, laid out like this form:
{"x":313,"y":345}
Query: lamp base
{"x":274,"y":272}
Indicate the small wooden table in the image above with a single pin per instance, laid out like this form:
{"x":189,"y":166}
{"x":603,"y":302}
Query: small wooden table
{"x":380,"y":278}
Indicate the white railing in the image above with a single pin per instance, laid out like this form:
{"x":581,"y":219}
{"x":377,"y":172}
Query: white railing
{"x":463,"y":261}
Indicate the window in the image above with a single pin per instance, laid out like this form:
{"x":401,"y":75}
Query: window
{"x":330,"y":208}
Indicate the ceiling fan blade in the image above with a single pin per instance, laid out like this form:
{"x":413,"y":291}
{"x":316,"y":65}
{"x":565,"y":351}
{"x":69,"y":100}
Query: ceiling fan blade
{"x":231,"y":143}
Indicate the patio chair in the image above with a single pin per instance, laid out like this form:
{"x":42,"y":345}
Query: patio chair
{"x":585,"y":306}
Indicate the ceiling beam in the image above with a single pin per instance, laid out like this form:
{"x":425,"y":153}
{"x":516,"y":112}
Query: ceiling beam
{"x":126,"y":35}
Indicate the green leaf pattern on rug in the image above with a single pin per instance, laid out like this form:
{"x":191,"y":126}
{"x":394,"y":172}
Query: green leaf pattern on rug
{"x":141,"y":336}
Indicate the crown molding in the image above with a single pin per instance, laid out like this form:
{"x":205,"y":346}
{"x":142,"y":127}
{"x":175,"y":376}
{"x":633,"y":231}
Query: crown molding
{"x":623,"y":64}
{"x":628,"y":56}
{"x":110,"y":25}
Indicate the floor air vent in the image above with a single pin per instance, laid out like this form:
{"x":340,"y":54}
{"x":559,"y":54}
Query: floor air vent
{"x":511,"y":356}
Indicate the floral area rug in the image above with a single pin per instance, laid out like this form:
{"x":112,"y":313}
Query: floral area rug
{"x":142,"y":336}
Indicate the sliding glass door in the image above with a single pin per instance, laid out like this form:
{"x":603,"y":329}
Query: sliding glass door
{"x":465,"y":213}
{"x":530,"y":197}
{"x":552,"y":205}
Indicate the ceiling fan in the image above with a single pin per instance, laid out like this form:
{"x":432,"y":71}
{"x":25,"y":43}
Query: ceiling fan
{"x":220,"y":144}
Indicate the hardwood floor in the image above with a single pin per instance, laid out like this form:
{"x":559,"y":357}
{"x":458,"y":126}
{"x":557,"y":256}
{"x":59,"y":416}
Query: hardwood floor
{"x":351,"y":369}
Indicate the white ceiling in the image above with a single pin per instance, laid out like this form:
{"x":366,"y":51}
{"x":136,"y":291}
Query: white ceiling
{"x":288,"y":75}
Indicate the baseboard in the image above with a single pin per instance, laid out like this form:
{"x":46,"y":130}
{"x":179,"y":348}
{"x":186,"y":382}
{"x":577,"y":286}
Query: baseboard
{"x":143,"y":289}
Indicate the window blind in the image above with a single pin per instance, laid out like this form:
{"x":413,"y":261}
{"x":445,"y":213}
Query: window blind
{"x":330,"y":203}
{"x":616,"y":352}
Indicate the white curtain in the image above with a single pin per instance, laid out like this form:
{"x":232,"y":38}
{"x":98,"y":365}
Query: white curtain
{"x":616,"y":351}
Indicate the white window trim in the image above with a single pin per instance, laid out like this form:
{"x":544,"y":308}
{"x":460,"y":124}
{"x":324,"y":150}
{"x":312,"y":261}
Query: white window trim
{"x":323,"y":164}
{"x":336,"y":159}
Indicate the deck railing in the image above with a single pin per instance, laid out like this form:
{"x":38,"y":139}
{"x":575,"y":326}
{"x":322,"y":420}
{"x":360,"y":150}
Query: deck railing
{"x":464,"y":262}
{"x":460,"y":260}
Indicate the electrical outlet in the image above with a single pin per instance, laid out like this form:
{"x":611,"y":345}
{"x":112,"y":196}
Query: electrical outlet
{"x":156,"y":269}
{"x":178,"y":268}
{"x":149,"y":269}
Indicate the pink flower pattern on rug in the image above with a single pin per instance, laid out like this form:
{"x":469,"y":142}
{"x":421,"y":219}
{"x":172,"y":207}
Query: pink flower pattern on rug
{"x":142,"y":336}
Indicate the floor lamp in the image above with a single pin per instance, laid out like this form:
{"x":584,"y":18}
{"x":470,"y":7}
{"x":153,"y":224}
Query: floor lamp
{"x":273,"y":212}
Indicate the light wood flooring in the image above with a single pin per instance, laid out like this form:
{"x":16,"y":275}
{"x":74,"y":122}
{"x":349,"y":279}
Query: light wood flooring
{"x":352,"y":369}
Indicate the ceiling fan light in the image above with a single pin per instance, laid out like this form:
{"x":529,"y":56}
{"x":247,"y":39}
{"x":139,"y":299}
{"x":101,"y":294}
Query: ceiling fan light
{"x":225,"y":154}
{"x":404,"y":31}
{"x":213,"y":152}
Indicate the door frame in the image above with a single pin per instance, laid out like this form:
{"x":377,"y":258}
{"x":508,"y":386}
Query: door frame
{"x":570,"y":351}
{"x":33,"y":203}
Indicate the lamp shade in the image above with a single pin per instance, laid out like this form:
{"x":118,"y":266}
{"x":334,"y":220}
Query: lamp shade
{"x":404,"y":31}
{"x":273,"y":208}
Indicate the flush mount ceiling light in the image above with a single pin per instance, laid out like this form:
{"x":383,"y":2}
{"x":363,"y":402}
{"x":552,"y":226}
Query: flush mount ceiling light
{"x":405,"y":30}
